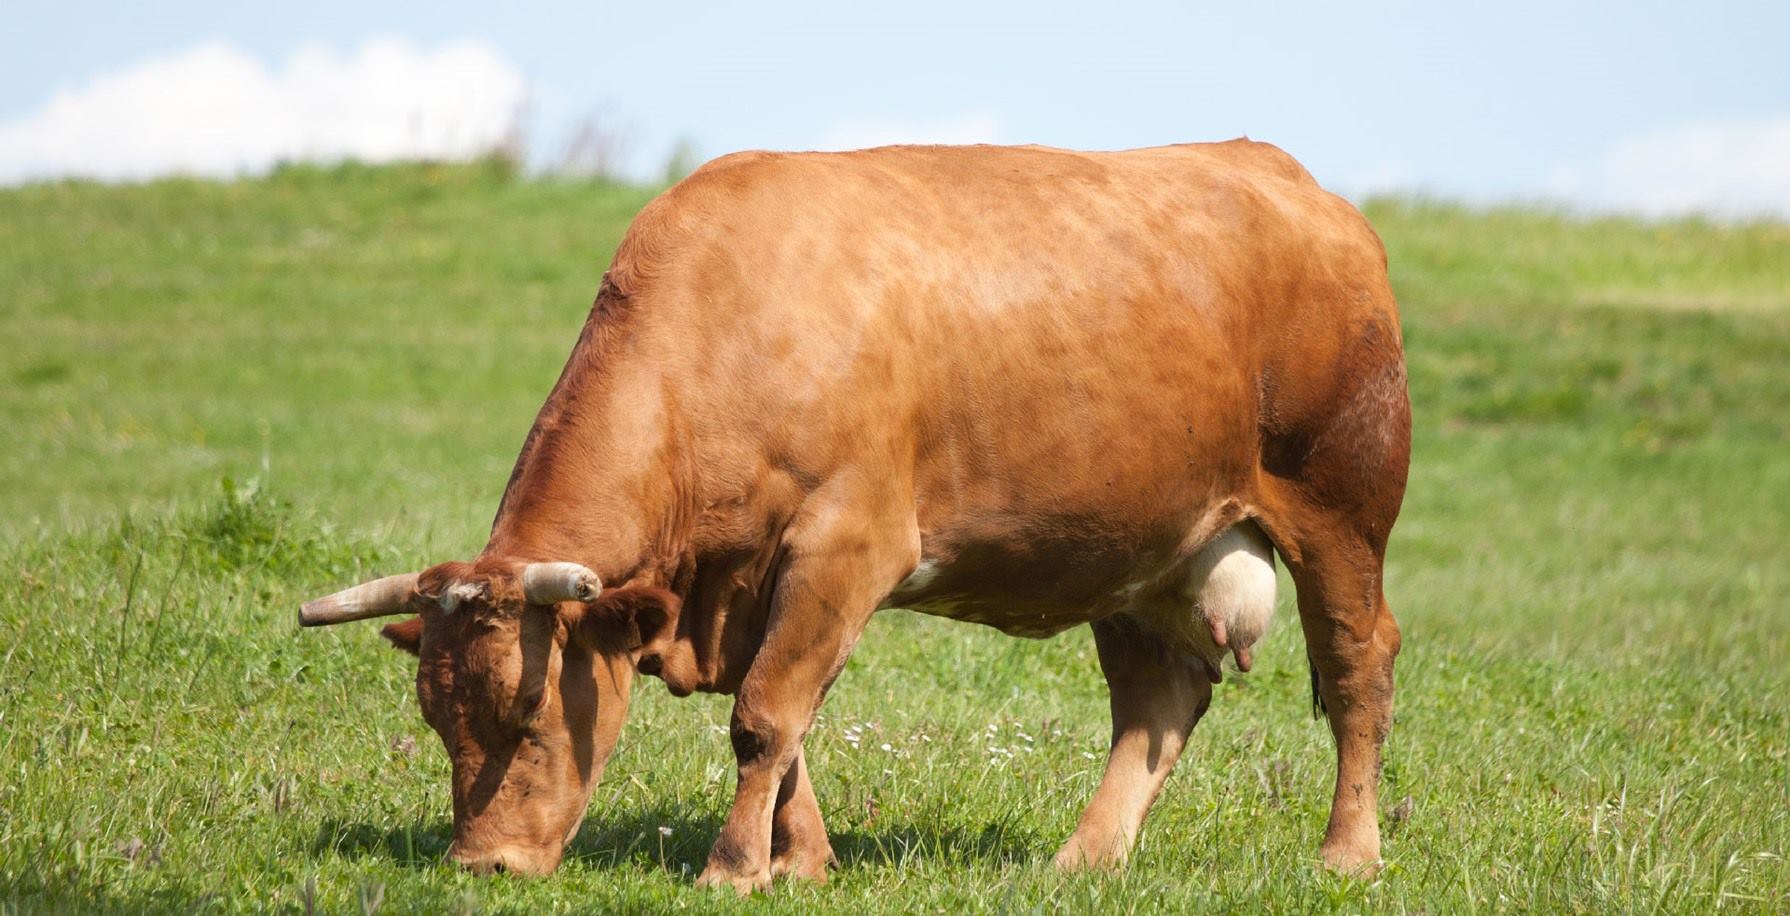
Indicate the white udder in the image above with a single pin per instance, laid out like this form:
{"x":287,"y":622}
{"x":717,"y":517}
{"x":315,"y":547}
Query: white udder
{"x":1225,"y":599}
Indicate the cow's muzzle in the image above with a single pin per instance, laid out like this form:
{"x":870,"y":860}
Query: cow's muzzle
{"x":506,"y":860}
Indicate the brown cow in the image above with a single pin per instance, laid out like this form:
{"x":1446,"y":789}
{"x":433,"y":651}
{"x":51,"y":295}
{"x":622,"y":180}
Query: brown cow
{"x":1026,"y":387}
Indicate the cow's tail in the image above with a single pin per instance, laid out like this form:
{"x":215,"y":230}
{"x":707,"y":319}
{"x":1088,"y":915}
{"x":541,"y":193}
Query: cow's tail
{"x":1317,"y":699}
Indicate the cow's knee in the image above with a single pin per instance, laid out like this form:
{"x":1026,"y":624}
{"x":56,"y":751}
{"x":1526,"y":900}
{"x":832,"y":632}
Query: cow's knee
{"x":758,"y":737}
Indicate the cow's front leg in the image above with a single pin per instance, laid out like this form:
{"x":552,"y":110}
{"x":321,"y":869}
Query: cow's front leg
{"x":828,"y":588}
{"x":1158,"y":695}
{"x":799,"y":844}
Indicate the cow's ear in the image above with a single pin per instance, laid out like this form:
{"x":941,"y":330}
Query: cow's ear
{"x":630,"y":617}
{"x":406,"y":635}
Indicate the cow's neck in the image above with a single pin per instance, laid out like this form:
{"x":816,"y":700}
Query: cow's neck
{"x":601,"y":477}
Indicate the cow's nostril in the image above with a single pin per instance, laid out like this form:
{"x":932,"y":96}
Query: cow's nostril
{"x":507,"y":861}
{"x":483,"y":867}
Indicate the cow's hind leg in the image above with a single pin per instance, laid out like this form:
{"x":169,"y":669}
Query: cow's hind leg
{"x":1158,"y":695}
{"x":1352,"y":640}
{"x":1335,"y":461}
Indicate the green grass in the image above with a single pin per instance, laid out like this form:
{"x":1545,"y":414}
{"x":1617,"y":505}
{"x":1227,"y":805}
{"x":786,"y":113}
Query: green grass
{"x":219,"y":399}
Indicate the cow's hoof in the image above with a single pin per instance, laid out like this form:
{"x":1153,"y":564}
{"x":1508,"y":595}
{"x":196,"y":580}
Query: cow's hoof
{"x":810,"y":866}
{"x":1353,"y":860}
{"x":743,"y":883}
{"x":1077,"y":856}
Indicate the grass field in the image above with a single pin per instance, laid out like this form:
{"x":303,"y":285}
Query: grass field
{"x":219,"y":399}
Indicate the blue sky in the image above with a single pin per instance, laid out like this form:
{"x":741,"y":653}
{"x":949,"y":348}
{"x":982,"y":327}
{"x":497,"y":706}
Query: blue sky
{"x":1648,"y":106}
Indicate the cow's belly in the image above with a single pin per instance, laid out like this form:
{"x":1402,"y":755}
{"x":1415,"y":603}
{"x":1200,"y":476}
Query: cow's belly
{"x":1038,"y":588}
{"x":979,"y":597}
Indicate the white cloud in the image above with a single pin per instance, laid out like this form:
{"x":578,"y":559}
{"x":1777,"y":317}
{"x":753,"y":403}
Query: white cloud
{"x":974,"y":128}
{"x":1718,"y":168}
{"x":215,"y":110}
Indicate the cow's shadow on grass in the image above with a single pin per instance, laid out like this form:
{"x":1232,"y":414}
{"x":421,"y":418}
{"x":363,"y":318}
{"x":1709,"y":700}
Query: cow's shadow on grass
{"x":679,"y":843}
{"x":416,"y":845}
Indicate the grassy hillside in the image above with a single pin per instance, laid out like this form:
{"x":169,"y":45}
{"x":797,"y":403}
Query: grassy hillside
{"x":218,"y":399}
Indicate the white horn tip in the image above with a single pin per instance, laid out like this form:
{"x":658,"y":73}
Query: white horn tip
{"x":551,"y":583}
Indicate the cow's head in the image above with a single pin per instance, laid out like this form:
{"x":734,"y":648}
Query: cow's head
{"x":524,"y":670}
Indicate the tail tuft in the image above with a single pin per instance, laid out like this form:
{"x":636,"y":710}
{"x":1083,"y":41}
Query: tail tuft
{"x":1317,"y":699}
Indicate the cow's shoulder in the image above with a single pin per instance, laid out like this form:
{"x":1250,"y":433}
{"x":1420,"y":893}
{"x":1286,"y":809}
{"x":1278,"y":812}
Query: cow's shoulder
{"x":729,"y":170}
{"x":689,"y":213}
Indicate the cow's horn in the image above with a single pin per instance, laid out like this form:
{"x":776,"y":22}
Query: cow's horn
{"x":551,"y":583}
{"x":378,"y":598}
